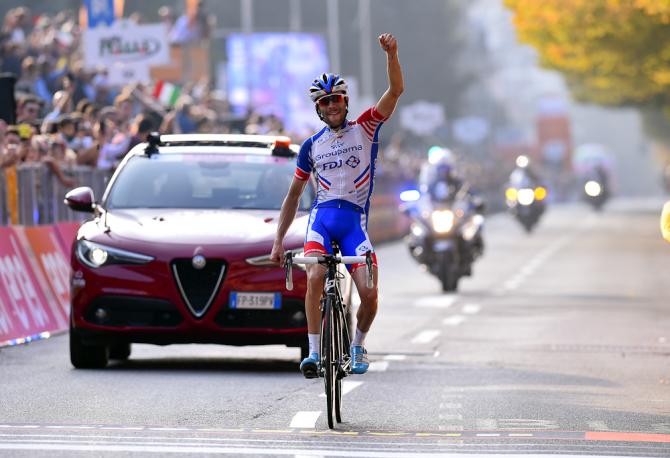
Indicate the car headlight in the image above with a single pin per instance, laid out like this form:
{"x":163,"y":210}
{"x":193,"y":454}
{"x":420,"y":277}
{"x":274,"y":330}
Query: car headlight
{"x":264,"y":261}
{"x":526,"y":196}
{"x":443,"y":221}
{"x":97,"y":255}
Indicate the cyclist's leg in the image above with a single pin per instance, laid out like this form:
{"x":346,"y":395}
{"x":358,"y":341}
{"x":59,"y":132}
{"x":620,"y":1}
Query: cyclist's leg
{"x":316,"y":241}
{"x":355,"y":242}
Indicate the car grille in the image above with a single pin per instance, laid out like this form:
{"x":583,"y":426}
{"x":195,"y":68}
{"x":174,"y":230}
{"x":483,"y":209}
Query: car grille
{"x":198,"y":287}
{"x":132,"y":311}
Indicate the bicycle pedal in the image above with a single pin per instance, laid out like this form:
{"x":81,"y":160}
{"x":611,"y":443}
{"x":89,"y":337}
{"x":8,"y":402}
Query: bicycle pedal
{"x":309,"y":372}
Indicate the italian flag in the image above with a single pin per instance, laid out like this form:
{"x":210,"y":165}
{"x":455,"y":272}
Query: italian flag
{"x":166,"y":93}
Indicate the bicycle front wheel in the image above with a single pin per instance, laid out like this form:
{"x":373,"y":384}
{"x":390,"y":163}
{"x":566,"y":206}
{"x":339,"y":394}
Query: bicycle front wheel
{"x":329,"y":358}
{"x":338,"y":325}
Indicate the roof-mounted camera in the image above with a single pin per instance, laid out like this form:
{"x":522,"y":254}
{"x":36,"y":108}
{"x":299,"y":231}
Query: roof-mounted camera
{"x":153,"y":142}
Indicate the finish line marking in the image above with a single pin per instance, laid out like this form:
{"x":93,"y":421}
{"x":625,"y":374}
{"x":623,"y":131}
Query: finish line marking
{"x":305,"y":420}
{"x":29,"y":432}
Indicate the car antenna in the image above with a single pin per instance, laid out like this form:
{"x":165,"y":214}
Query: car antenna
{"x":153,"y":142}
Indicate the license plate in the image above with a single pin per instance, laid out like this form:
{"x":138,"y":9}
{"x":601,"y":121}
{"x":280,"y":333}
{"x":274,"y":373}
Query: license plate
{"x":260,"y":301}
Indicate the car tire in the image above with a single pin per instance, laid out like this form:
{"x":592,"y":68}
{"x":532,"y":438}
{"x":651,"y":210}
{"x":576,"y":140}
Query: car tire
{"x":120,"y":351}
{"x":87,"y":356}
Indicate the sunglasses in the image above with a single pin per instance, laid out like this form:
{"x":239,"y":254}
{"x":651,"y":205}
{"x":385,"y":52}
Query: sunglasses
{"x":335,"y":98}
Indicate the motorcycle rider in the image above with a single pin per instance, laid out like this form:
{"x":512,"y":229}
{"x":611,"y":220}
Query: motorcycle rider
{"x":441,"y":182}
{"x":523,"y":175}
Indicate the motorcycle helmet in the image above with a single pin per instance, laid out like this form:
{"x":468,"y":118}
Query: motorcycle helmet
{"x":444,"y":166}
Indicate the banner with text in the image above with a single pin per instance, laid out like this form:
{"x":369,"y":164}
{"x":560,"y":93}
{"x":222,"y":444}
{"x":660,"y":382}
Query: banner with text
{"x":126,"y":50}
{"x":23,"y":305}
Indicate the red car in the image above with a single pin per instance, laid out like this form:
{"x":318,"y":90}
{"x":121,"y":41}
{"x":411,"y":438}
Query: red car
{"x":178,"y":249}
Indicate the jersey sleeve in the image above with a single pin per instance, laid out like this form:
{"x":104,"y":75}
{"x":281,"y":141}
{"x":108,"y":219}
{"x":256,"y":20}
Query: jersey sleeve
{"x":371,"y":120}
{"x":304,"y":166}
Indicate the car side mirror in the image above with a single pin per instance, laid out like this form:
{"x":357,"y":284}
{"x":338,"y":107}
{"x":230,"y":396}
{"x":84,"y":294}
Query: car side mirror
{"x":81,"y":199}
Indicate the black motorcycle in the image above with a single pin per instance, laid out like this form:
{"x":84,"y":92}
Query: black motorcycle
{"x":526,"y":204}
{"x":445,"y":236}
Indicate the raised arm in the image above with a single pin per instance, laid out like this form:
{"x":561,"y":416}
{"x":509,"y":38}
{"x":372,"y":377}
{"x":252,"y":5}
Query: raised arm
{"x":389,"y":99}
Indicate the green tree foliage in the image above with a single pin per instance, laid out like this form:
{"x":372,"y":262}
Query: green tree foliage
{"x":612,"y":52}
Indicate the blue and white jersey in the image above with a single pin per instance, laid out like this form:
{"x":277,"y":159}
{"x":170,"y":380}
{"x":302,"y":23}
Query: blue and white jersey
{"x":343,"y":162}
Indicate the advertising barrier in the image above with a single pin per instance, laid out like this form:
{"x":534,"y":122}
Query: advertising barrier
{"x":24,"y":305}
{"x":67,"y":233}
{"x":53,"y":263}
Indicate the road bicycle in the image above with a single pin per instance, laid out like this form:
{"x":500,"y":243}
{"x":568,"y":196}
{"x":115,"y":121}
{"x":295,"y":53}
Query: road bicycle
{"x":335,"y":346}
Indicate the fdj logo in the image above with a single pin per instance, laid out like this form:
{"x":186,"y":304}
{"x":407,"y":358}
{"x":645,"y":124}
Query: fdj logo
{"x":353,"y":162}
{"x":332,"y":165}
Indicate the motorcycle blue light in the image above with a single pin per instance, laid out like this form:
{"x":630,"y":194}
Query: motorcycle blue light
{"x":411,"y":195}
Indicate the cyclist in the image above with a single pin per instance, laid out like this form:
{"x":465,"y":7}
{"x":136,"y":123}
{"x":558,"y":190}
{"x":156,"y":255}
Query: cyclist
{"x":342,"y":158}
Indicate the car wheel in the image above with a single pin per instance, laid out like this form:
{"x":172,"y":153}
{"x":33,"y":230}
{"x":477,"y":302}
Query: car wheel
{"x":87,"y":356}
{"x":120,"y":351}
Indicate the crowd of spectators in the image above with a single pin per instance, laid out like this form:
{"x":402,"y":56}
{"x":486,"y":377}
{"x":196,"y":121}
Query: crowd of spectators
{"x":69,"y":115}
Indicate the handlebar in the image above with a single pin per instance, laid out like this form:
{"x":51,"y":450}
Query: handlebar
{"x":290,"y":260}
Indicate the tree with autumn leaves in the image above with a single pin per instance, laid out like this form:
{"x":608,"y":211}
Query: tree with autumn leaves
{"x":611,"y":52}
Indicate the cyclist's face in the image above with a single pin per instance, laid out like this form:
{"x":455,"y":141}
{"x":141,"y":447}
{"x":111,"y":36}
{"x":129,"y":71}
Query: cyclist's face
{"x":333,"y":109}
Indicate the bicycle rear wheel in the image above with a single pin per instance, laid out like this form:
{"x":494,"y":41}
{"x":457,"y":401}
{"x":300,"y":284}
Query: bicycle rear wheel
{"x":329,"y":358}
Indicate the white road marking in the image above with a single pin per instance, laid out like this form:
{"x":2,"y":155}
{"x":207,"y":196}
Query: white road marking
{"x":486,"y":423}
{"x":169,"y":429}
{"x":20,"y":426}
{"x":450,"y":416}
{"x":425,"y":336}
{"x":442,"y":301}
{"x":305,"y":419}
{"x":512,"y":284}
{"x":227,"y":450}
{"x":598,"y":425}
{"x":122,"y":428}
{"x":378,"y":366}
{"x":453,"y":320}
{"x":451,"y":405}
{"x":395,"y":357}
{"x":347,"y":386}
{"x":539,"y":259}
{"x":471,"y":309}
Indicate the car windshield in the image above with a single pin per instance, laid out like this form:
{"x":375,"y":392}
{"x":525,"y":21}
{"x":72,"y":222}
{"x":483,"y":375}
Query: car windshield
{"x":205,"y":181}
